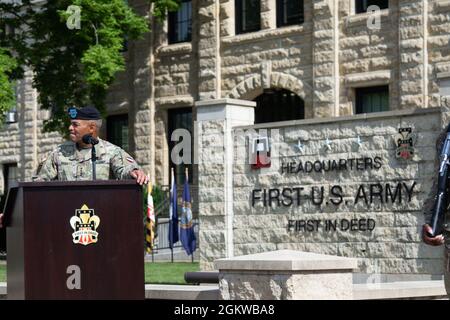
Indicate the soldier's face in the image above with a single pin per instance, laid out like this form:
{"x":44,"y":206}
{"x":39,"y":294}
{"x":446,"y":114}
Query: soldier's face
{"x":78,"y":128}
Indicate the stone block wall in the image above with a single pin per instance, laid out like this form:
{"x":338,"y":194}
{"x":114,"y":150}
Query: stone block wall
{"x":322,"y":60}
{"x":23,"y":143}
{"x":393,"y":246}
{"x":367,"y":56}
{"x":212,"y":220}
{"x":216,"y":119}
{"x":438,"y":42}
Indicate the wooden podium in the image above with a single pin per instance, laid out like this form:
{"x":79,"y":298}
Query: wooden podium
{"x":75,"y":240}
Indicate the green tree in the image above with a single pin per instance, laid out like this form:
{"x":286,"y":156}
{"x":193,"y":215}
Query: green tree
{"x":7,"y":97}
{"x":72,"y":66}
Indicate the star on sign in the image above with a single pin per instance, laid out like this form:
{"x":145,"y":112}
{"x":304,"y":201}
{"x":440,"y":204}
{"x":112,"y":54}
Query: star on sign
{"x":328,"y":144}
{"x":359,"y":141}
{"x":300,"y":146}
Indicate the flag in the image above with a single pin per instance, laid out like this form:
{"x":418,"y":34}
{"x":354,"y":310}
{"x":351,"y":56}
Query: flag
{"x":151,"y":222}
{"x":173,"y":213}
{"x":187,"y":234}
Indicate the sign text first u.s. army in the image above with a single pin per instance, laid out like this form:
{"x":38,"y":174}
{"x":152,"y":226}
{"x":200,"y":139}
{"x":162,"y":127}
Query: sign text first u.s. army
{"x":337,"y":194}
{"x":338,"y":197}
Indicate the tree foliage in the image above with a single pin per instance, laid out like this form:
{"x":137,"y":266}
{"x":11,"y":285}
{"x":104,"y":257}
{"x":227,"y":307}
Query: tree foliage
{"x":7,"y":97}
{"x":72,"y":66}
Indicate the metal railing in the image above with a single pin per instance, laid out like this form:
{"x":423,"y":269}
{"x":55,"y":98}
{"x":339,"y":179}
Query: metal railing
{"x":161,"y":241}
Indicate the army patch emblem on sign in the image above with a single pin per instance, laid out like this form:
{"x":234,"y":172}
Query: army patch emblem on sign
{"x":404,"y":141}
{"x":85,"y":224}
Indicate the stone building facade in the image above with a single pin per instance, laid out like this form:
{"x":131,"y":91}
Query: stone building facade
{"x":323,"y":61}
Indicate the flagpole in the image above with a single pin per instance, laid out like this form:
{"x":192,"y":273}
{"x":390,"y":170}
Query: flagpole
{"x":150,"y":220}
{"x":186,"y":172}
{"x":171,"y":218}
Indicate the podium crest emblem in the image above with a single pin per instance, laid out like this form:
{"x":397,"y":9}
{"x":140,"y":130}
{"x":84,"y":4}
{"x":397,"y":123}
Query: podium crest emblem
{"x":85,"y":224}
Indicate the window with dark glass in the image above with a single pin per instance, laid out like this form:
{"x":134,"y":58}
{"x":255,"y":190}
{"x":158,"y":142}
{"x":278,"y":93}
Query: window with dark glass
{"x":180,"y":119}
{"x":180,"y":23}
{"x":373,"y":99}
{"x":278,"y":105}
{"x":10,"y":174}
{"x":289,"y":12}
{"x":117,"y":131}
{"x":2,"y":32}
{"x":5,"y":31}
{"x":362,"y":5}
{"x":248,"y":16}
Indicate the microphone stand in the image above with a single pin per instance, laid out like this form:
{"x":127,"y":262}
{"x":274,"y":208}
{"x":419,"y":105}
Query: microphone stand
{"x":94,"y":159}
{"x":88,"y":139}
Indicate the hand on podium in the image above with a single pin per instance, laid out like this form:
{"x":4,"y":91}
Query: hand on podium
{"x":139,"y":176}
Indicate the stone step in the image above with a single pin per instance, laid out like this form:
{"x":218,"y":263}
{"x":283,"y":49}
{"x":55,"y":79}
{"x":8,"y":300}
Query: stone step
{"x":432,"y":289}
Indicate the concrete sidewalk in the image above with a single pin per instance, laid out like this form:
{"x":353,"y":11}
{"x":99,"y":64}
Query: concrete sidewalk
{"x":406,"y":290}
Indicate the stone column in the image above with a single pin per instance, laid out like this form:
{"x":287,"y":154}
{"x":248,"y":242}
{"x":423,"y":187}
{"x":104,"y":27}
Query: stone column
{"x":142,"y":105}
{"x":286,"y":275}
{"x":214,"y":155}
{"x":28,"y":133}
{"x":268,"y":14}
{"x":325,"y":58}
{"x":413,"y":59}
{"x":209,"y":50}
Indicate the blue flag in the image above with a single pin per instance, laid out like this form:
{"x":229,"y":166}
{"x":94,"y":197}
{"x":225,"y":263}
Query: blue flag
{"x":173,"y":214}
{"x":187,"y":234}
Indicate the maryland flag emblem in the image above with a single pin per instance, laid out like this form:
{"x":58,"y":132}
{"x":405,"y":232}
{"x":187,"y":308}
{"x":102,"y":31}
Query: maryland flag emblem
{"x":85,"y":224}
{"x":150,"y":221}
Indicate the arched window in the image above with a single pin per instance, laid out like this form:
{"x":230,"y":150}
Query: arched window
{"x":278,"y":105}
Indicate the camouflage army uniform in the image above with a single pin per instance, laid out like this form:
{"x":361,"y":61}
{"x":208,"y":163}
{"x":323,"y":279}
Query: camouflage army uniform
{"x":68,"y":163}
{"x":430,"y":201}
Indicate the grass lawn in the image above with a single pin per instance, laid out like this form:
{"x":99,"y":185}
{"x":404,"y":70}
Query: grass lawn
{"x":167,"y":272}
{"x":158,"y":272}
{"x":2,"y":273}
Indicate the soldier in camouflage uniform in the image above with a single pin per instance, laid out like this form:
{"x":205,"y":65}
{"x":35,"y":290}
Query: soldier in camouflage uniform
{"x":444,"y":238}
{"x":71,"y":161}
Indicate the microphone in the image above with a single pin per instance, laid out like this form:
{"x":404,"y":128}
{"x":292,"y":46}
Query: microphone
{"x":89,"y":139}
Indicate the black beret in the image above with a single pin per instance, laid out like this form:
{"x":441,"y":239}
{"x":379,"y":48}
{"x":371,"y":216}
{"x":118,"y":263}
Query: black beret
{"x":86,"y":113}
